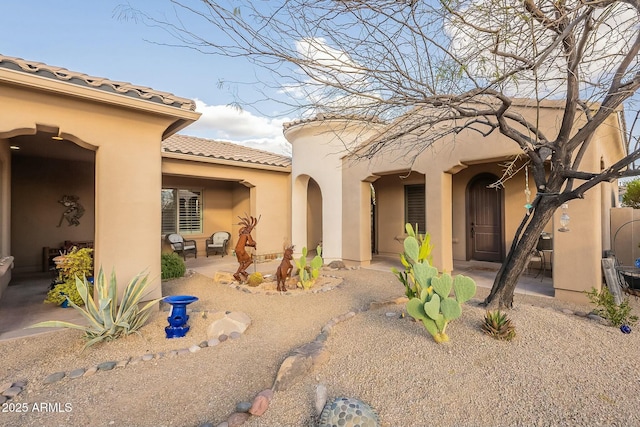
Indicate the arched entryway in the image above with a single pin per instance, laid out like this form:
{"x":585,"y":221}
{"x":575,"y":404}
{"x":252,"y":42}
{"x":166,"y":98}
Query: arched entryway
{"x":484,"y":219}
{"x":314,"y":215}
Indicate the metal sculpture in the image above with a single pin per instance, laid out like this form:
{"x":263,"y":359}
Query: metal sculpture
{"x":284,"y":270}
{"x":245,"y":239}
{"x":74,"y":210}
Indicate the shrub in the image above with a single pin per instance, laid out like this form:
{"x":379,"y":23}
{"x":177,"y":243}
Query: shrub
{"x":607,"y":308}
{"x":631,"y":197}
{"x":255,"y":279}
{"x":105,"y":319}
{"x":172,"y":266}
{"x":77,"y":263}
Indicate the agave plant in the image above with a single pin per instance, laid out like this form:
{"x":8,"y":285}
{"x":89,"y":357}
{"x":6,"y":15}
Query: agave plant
{"x":498,"y":325}
{"x":106,"y":320}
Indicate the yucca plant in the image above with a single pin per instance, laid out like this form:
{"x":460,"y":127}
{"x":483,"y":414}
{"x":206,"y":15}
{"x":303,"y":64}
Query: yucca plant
{"x":106,"y":320}
{"x":498,"y":325}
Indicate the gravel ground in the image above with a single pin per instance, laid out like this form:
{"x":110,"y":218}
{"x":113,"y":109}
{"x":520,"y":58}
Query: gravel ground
{"x":560,"y":370}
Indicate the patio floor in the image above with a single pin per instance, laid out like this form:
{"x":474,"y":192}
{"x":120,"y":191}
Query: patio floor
{"x":22,"y":303}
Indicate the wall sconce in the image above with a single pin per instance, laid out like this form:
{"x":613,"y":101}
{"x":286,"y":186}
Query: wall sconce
{"x":564,"y":218}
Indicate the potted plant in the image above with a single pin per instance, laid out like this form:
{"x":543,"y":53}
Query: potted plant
{"x":77,"y":263}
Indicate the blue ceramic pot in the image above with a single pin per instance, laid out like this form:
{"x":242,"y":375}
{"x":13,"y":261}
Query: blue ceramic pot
{"x":637,"y":263}
{"x":625,"y":329}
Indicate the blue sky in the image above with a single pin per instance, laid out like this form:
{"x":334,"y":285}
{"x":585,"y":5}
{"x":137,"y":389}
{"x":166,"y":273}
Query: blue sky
{"x":88,"y":37}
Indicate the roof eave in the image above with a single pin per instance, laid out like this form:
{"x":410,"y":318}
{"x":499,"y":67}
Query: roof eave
{"x":34,"y":82}
{"x":225,"y":162}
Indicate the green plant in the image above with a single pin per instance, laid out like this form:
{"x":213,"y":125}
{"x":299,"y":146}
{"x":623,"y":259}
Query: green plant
{"x":172,"y":266}
{"x":105,"y":319}
{"x":434,"y":307}
{"x":631,"y":197}
{"x":309,"y":273}
{"x":607,"y":308}
{"x":77,"y":263}
{"x":498,"y":325}
{"x":61,"y":291}
{"x":417,"y":250}
{"x":429,"y":293}
{"x":255,"y":279}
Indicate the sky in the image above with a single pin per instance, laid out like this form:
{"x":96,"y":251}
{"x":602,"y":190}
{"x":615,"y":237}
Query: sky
{"x":89,"y":37}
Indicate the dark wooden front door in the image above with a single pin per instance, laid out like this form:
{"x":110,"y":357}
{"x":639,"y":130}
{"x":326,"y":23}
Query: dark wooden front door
{"x":484,"y":220}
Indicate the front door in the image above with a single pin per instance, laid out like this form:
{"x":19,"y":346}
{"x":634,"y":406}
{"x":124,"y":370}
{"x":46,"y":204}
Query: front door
{"x":484,"y":220}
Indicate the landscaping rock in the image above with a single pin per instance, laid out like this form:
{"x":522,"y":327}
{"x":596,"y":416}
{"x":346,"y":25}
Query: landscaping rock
{"x":76,"y":373}
{"x":12,"y":392}
{"x":107,"y":366}
{"x":92,"y":370}
{"x":213,"y":342}
{"x":337,"y":264}
{"x":237,"y":419}
{"x":194,"y":348}
{"x":231,"y":322}
{"x":147,"y":357}
{"x":54,"y":377}
{"x":291,"y":368}
{"x":321,"y":398}
{"x":243,"y":406}
{"x":259,"y":406}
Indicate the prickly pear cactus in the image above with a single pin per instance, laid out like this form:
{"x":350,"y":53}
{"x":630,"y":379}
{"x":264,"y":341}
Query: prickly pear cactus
{"x":348,"y":412}
{"x":435,"y":308}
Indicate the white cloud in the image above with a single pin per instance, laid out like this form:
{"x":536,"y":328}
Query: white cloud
{"x":225,"y":123}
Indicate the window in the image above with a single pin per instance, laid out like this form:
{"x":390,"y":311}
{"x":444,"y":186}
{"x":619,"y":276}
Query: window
{"x":414,"y":207}
{"x":181,"y":211}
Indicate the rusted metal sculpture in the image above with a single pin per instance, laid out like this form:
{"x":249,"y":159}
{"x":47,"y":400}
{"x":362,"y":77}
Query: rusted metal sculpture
{"x":244,"y":259}
{"x":284,"y":270}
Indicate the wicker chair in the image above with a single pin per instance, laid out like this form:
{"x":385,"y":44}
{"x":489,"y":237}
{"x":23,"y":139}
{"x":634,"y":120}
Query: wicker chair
{"x":182,"y":246}
{"x":218,"y":242}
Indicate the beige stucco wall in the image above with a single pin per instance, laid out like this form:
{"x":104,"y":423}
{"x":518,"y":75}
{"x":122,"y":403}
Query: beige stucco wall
{"x":318,"y":149}
{"x":38,"y":184}
{"x":230,"y":191}
{"x":125,"y":132}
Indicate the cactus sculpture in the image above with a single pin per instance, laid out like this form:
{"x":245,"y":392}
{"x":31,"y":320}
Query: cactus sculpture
{"x":309,"y":273}
{"x":430,"y":300}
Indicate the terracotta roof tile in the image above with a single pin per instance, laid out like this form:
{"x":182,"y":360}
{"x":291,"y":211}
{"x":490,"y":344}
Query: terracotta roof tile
{"x":184,"y":144}
{"x":72,"y":77}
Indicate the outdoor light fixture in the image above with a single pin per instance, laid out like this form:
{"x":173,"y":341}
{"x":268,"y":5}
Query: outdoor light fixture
{"x":58,"y":137}
{"x":14,"y":147}
{"x":564,"y":218}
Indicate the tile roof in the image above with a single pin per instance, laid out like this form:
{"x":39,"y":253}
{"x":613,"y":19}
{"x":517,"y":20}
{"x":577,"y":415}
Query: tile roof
{"x":72,"y":77}
{"x":195,"y":146}
{"x":321,"y":117}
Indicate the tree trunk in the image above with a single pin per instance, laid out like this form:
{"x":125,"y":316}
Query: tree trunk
{"x":501,"y":295}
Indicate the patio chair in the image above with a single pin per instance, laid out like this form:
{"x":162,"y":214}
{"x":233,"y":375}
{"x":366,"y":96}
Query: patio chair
{"x":545,"y":245}
{"x":218,"y":242}
{"x":182,"y":246}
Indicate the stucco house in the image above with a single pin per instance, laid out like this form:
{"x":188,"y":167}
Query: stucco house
{"x":445,"y":191}
{"x":112,"y":147}
{"x":115,"y":146}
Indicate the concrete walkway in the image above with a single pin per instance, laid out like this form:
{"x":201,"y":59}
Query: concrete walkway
{"x":22,"y":303}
